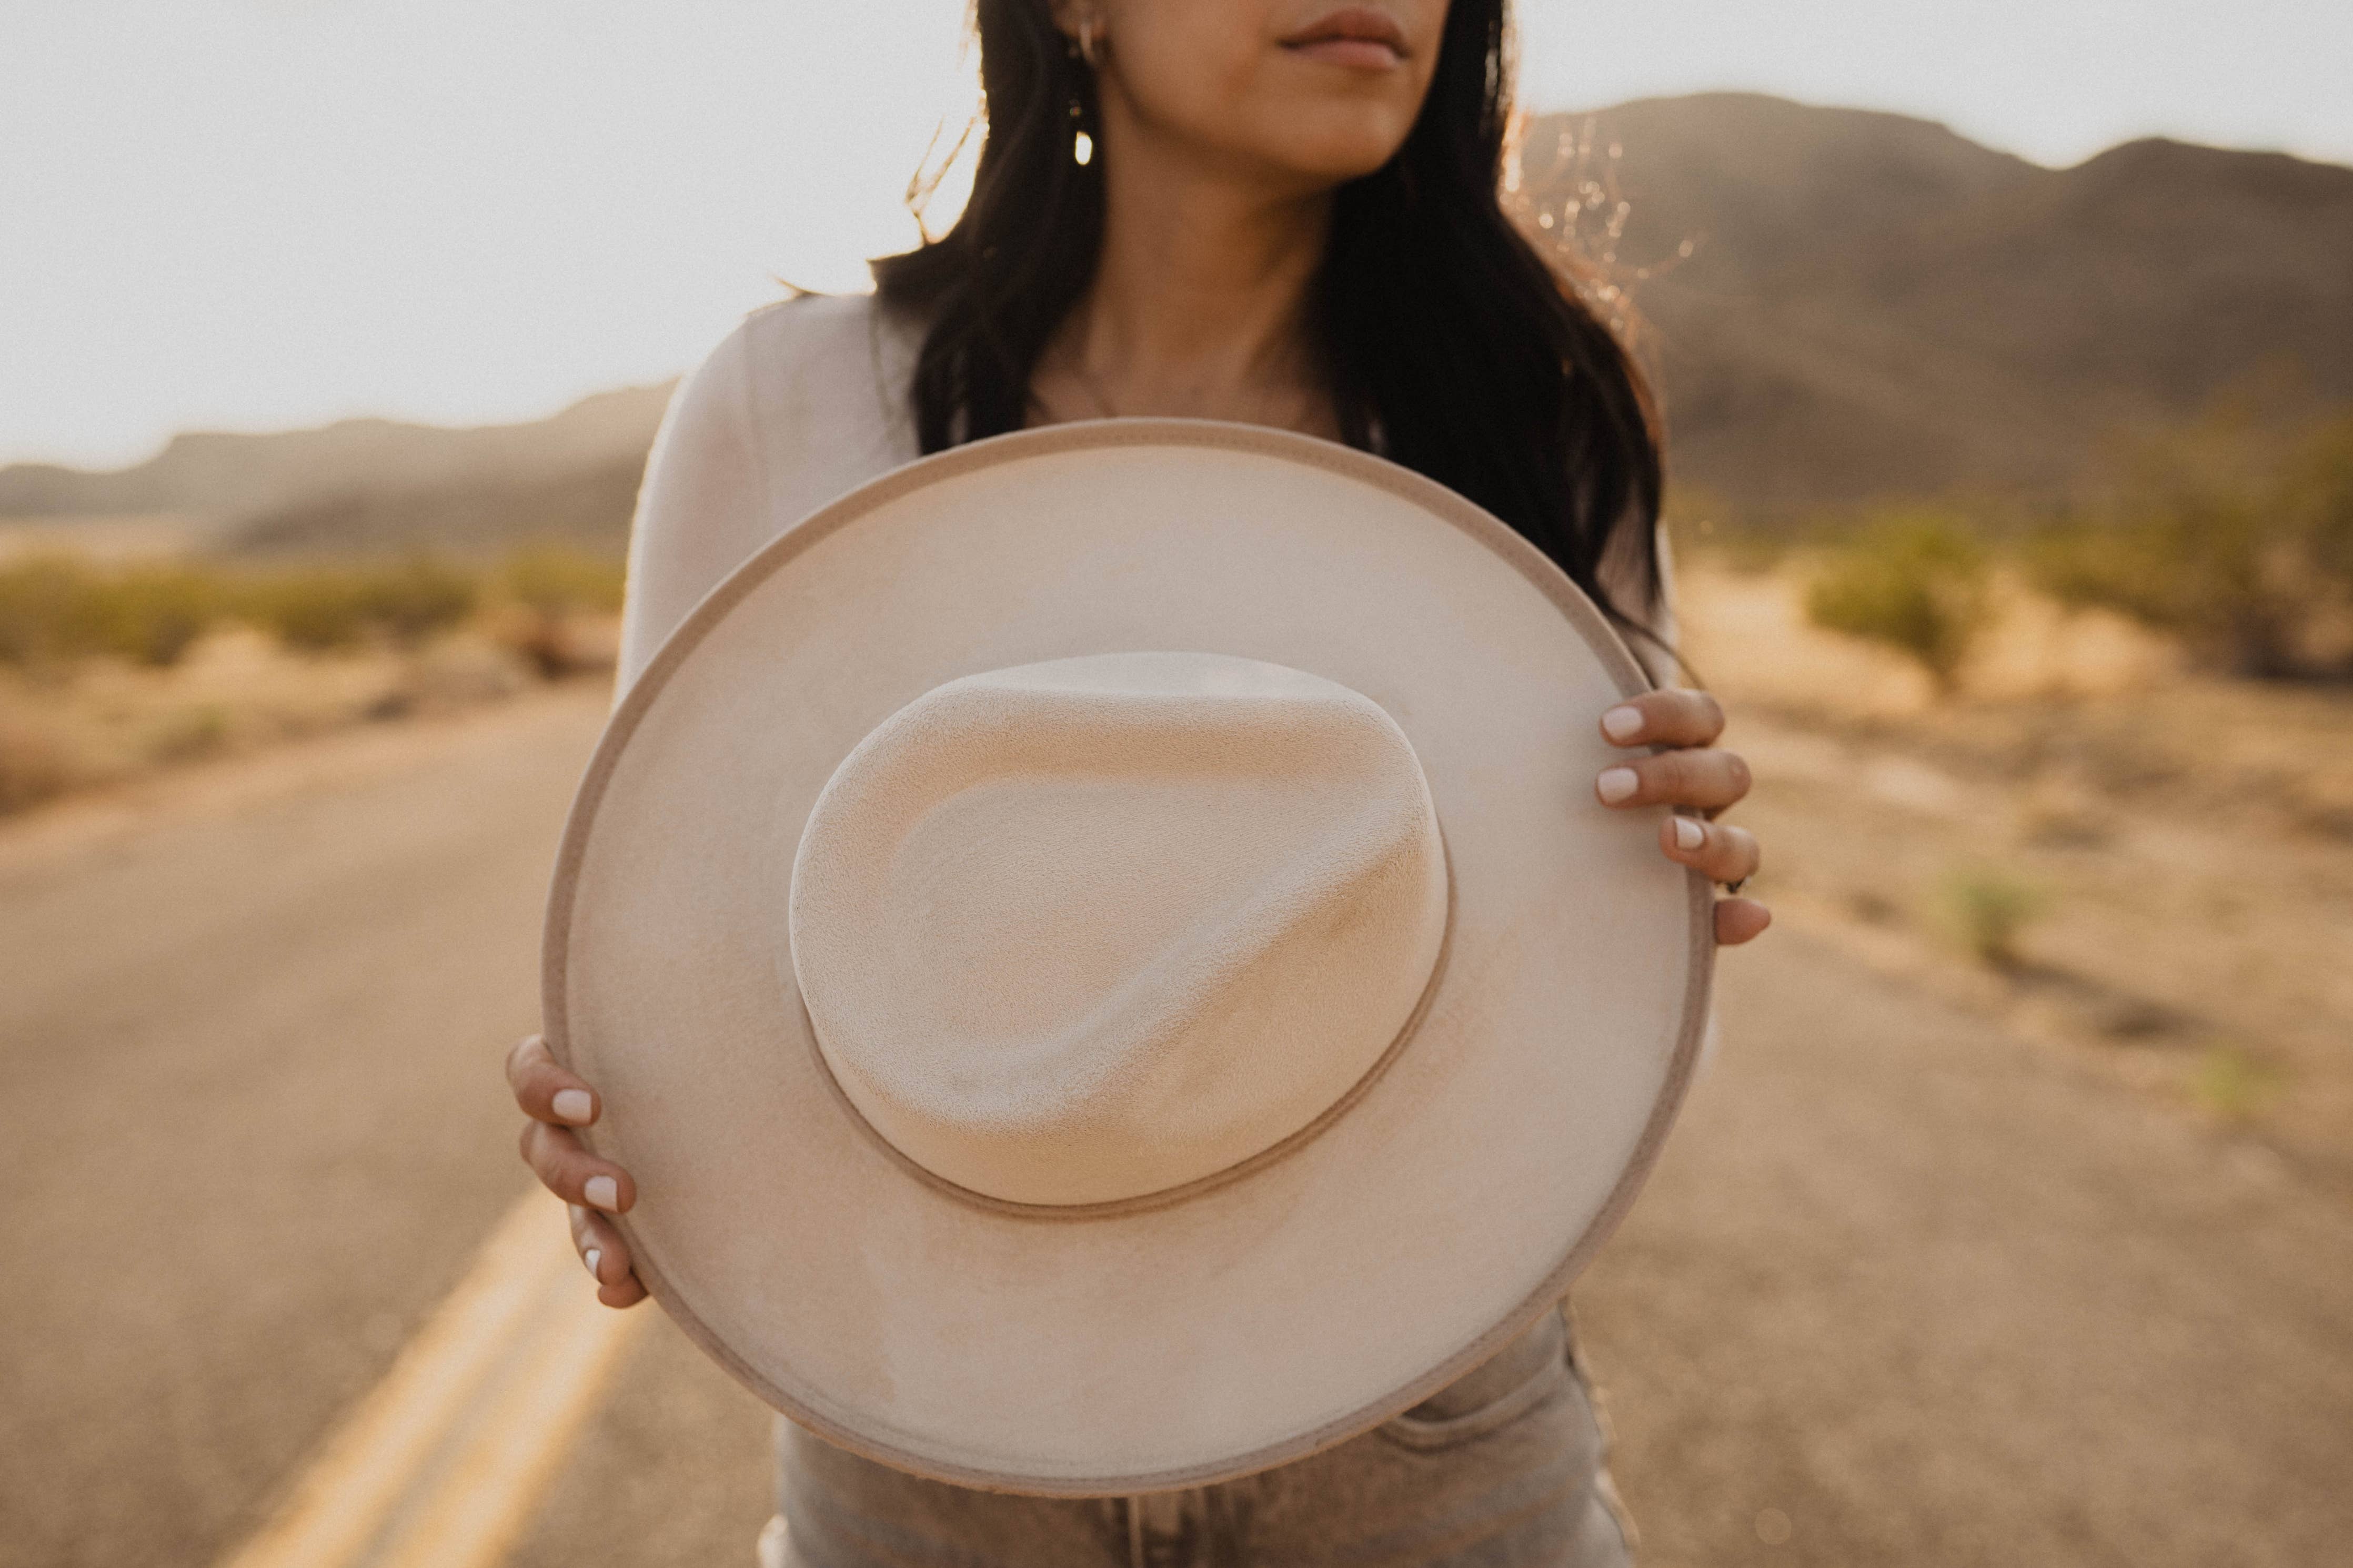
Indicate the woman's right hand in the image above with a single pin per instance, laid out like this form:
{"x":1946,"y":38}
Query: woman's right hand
{"x":557,"y":1102}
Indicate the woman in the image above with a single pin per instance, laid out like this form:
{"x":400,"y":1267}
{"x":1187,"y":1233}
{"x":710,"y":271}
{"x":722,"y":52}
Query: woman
{"x":1269,"y":211}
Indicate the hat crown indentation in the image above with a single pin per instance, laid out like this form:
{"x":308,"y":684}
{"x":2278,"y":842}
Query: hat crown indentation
{"x":1086,"y":931}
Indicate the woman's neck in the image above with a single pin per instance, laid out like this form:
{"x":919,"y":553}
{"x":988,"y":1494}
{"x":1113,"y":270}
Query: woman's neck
{"x":1199,"y":306}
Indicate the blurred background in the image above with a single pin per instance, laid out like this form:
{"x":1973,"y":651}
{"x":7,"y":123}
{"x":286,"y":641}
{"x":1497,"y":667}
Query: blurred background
{"x":2006,"y":352}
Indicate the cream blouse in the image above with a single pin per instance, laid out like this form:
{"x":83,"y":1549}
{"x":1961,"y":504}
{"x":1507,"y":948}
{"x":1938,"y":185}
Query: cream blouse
{"x":803,"y":402}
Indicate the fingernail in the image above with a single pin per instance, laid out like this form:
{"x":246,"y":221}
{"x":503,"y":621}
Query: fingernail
{"x":595,"y":1255}
{"x":1689,"y":834}
{"x":604,"y":1193}
{"x":1622,"y":724}
{"x":1616,"y":783}
{"x":574,"y":1105}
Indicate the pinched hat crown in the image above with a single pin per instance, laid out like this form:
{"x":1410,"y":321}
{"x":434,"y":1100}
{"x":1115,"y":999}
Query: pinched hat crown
{"x":1087,"y":930}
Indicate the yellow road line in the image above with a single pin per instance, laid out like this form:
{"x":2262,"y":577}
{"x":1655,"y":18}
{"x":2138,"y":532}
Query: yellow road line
{"x":443,"y":1460}
{"x":506,"y":1458}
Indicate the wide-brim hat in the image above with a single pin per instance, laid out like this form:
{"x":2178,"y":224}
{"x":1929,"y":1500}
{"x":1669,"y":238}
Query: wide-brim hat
{"x":1101,"y":952}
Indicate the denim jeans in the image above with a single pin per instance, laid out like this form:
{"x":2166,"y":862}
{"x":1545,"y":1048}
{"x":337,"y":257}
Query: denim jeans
{"x":1504,"y":1469}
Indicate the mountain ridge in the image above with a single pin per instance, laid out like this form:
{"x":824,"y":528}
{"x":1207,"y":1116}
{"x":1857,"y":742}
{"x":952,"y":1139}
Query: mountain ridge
{"x":1877,"y":305}
{"x":257,"y":473}
{"x":1873,"y":305}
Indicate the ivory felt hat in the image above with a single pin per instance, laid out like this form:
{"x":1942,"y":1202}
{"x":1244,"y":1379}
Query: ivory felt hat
{"x":1100,"y":952}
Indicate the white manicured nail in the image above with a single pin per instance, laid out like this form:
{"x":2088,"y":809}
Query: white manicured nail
{"x":1616,"y":783}
{"x":595,"y":1255}
{"x":574,"y":1105}
{"x":1622,"y":724}
{"x":603,"y":1193}
{"x":1689,"y":834}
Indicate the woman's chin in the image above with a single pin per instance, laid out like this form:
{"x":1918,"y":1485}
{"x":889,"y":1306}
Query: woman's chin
{"x":1338,"y":145}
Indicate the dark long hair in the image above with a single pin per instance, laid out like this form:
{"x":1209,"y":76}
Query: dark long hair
{"x":1449,"y":343}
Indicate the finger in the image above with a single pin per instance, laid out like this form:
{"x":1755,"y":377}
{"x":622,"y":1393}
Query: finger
{"x":573,"y":1175}
{"x":592,"y":1232}
{"x":1706,"y":778}
{"x":1718,"y":851}
{"x":1740,"y":920}
{"x":627,"y":1293}
{"x":1669,"y":718}
{"x":547,"y":1089}
{"x":605,"y":1256}
{"x":595,"y":1238}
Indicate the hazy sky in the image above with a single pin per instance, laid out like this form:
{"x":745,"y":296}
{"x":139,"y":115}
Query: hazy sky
{"x":255,"y":214}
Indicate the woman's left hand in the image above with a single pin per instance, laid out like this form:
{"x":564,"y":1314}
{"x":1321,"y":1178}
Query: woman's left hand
{"x":1694,"y":774}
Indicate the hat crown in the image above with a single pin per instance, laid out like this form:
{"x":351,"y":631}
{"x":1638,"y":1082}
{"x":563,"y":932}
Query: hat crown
{"x":1086,"y":931}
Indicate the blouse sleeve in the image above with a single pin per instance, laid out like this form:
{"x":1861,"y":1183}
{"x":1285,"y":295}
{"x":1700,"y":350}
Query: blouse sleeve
{"x":702,"y":507}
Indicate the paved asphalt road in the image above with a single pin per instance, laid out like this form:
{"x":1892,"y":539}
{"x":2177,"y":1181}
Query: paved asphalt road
{"x":1903,"y":1290}
{"x":252,"y":1124}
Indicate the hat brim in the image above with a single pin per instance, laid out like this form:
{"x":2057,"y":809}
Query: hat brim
{"x":1249,"y":1322}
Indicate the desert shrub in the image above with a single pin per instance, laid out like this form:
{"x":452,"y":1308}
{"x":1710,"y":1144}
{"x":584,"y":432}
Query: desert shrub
{"x":315,"y":609}
{"x":2226,"y":532}
{"x":150,"y":614}
{"x":1914,"y":581}
{"x":58,"y":607}
{"x":419,"y":596}
{"x":1989,"y":909}
{"x":322,"y":608}
{"x":545,"y":590}
{"x":36,"y":613}
{"x":556,"y":580}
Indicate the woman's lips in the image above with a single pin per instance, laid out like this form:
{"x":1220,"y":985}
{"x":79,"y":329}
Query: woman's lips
{"x":1353,"y":36}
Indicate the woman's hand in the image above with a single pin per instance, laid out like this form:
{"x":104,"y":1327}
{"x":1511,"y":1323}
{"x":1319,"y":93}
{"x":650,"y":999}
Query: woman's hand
{"x":557,"y":1103}
{"x":1692,"y":774}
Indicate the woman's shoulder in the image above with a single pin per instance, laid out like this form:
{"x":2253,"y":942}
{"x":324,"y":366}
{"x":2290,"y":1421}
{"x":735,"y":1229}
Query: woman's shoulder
{"x":820,"y":377}
{"x":800,"y":403}
{"x":818,"y":326}
{"x":828,"y":366}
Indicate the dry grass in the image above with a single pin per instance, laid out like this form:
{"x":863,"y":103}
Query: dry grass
{"x":1916,"y":583}
{"x":115,"y":665}
{"x":2151,"y":863}
{"x":60,"y":608}
{"x":107,"y":721}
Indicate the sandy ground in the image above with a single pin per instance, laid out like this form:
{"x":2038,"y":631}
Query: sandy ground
{"x":1912,"y":1284}
{"x":2190,"y":841}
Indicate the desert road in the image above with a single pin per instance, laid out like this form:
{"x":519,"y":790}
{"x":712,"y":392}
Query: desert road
{"x":1903,"y":1290}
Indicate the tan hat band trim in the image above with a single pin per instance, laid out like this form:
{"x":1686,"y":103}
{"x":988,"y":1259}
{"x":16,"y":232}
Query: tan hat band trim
{"x":1171,"y":1196}
{"x":1088,"y":929}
